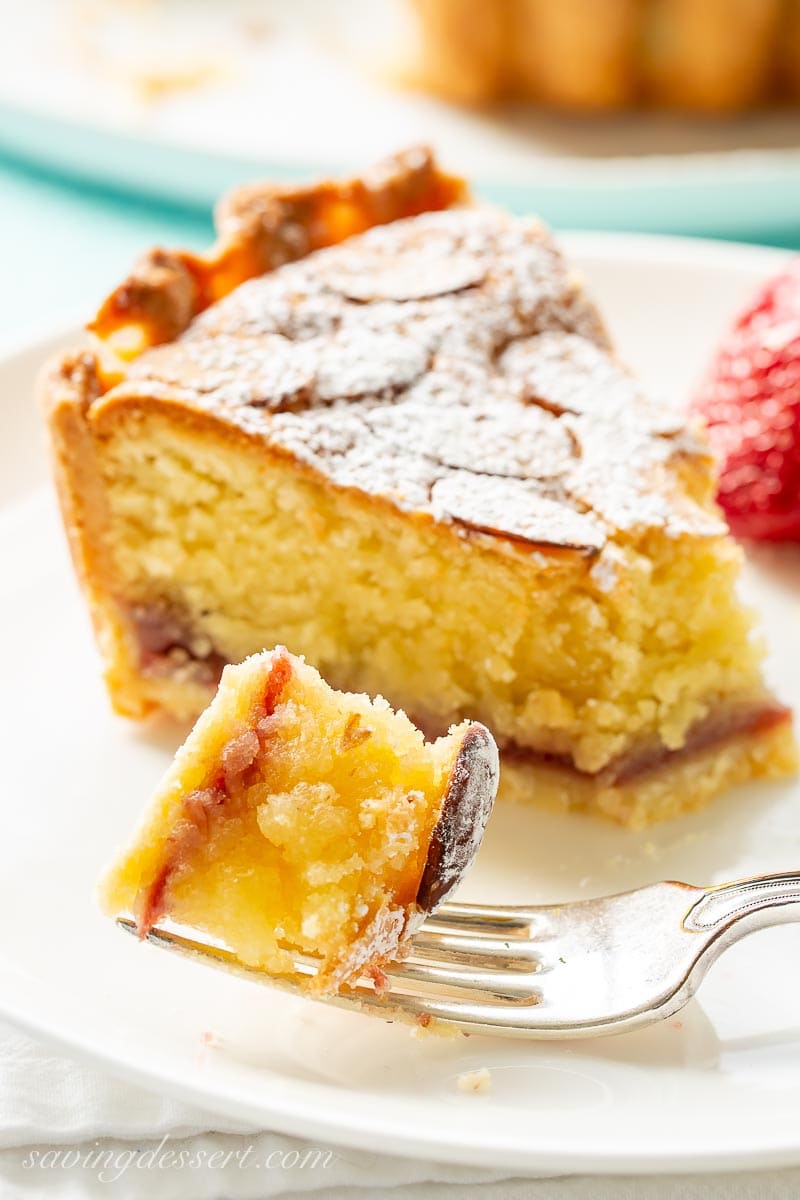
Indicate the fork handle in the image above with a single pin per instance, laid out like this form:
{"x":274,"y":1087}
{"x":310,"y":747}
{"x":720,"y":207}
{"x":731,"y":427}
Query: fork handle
{"x":739,"y":908}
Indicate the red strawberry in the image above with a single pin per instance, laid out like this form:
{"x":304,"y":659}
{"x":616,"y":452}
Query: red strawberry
{"x":750,"y":402}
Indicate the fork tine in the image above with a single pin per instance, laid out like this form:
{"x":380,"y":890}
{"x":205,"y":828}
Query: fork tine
{"x":466,"y":978}
{"x":446,"y":947}
{"x":480,"y":918}
{"x":203,"y":952}
{"x":462,"y":968}
{"x":509,"y":1015}
{"x":470,"y":955}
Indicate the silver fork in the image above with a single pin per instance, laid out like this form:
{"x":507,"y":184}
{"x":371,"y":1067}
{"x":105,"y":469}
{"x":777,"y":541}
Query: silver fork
{"x":579,"y":969}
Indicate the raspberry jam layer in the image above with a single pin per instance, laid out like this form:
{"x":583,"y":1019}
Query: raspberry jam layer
{"x":737,"y":721}
{"x":170,"y":648}
{"x":219,"y":800}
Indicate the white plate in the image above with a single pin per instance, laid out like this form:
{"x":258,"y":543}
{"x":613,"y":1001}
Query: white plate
{"x":270,"y":89}
{"x":717,"y":1087}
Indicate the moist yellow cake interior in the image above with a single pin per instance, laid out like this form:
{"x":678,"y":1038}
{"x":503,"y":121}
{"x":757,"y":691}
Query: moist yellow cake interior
{"x":453,"y":620}
{"x":326,"y":829}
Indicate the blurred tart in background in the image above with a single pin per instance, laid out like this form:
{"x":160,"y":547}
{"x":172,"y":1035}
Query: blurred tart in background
{"x":598,"y":55}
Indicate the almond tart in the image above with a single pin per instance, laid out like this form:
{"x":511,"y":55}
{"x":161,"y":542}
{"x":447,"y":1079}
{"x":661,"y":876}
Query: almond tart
{"x":411,"y":455}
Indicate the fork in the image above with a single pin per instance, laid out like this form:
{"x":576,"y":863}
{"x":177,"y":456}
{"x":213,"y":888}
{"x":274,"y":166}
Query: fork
{"x":579,"y":969}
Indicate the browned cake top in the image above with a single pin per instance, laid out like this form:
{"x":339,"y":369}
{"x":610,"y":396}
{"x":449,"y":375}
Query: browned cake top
{"x":451,"y":363}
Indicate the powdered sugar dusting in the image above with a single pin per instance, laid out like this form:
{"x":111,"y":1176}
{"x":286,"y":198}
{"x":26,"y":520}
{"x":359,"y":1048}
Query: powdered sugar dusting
{"x":452,"y":364}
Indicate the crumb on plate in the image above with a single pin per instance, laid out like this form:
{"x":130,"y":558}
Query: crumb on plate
{"x":476,"y":1081}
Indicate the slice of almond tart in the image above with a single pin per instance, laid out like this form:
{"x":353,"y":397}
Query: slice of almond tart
{"x":411,"y":455}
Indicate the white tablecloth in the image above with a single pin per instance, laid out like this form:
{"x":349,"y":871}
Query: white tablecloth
{"x":68,"y":1132}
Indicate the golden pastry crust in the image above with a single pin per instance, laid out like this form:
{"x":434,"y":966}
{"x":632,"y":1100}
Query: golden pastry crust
{"x":463,"y":52}
{"x":704,"y":55}
{"x":789,"y":61}
{"x":564,"y":56}
{"x":710,"y":55}
{"x":68,"y":389}
{"x":261,"y":227}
